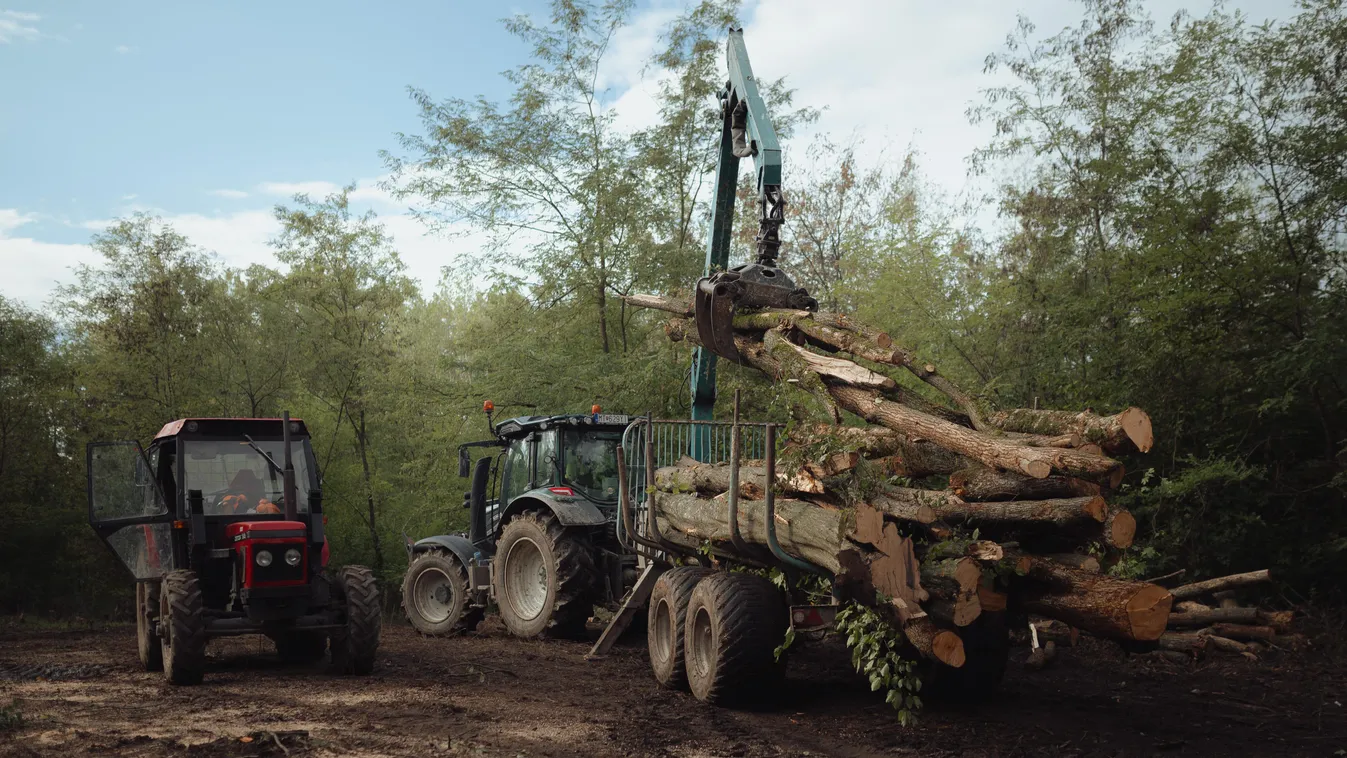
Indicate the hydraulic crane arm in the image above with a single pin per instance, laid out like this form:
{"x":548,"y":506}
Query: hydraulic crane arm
{"x":746,"y":131}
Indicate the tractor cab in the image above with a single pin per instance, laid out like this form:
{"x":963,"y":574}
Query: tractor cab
{"x":232,"y":508}
{"x":545,"y":461}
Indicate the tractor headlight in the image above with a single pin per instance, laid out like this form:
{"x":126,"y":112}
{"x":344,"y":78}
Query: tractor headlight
{"x":292,"y":557}
{"x":263,"y":558}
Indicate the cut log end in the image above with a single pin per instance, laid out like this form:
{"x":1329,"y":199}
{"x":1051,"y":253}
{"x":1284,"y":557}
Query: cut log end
{"x":1148,"y":612}
{"x":1121,"y":530}
{"x":1036,"y":469}
{"x":1136,"y":423}
{"x":947,"y":648}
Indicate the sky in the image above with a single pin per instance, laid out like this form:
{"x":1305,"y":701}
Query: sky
{"x":208,"y":115}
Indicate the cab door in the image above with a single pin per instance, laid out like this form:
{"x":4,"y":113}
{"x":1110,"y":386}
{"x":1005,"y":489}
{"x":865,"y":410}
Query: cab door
{"x":127,"y":509}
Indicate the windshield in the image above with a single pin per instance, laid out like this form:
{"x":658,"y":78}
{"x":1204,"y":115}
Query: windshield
{"x":235,"y":479}
{"x":591,"y":463}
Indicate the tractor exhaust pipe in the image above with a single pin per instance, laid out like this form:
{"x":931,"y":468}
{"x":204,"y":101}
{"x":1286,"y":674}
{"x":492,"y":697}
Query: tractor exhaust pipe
{"x":291,"y":492}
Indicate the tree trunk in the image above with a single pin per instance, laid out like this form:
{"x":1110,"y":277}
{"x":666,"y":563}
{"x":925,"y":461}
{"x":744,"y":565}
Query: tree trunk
{"x":1099,"y":604}
{"x":362,"y":439}
{"x":1183,"y":642}
{"x":955,"y":581}
{"x":1197,"y":589}
{"x":1112,"y":433}
{"x":1063,"y":513}
{"x":805,"y":530}
{"x":981,"y":483}
{"x":1244,"y":632}
{"x":1214,"y":616}
{"x":1086,"y":563}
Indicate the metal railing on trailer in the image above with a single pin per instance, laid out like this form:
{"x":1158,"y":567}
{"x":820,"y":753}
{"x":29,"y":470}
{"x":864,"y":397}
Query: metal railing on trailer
{"x":669,"y":441}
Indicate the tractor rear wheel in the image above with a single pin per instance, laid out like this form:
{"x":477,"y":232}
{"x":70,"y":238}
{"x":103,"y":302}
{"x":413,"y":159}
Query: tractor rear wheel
{"x":182,"y":628}
{"x":353,"y":648}
{"x":147,"y":608}
{"x":544,"y":577}
{"x":301,"y":647}
{"x":734,"y":624}
{"x":435,"y":595}
{"x":665,"y":622}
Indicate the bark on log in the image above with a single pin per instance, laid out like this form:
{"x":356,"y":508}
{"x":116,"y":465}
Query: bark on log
{"x":1183,"y":642}
{"x":805,"y":530}
{"x":1197,"y":589}
{"x":711,"y":479}
{"x":1225,"y":645}
{"x":1064,"y":512}
{"x":981,"y":483}
{"x":1112,"y":433}
{"x":956,"y":581}
{"x":1279,"y":620}
{"x":921,"y":632}
{"x":1245,"y":632}
{"x":1037,"y":462}
{"x":1190,"y":606}
{"x":1086,"y":563}
{"x":1102,"y":605}
{"x":1215,"y":616}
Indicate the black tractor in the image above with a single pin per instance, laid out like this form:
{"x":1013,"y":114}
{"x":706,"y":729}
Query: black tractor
{"x":221,"y":523}
{"x":541,"y":540}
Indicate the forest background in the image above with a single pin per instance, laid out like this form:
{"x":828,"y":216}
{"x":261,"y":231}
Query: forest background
{"x":1164,"y":228}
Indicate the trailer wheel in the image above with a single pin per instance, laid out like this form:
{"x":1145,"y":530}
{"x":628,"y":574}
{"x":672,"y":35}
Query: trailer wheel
{"x":734,"y":624}
{"x":147,"y":607}
{"x":435,"y":595}
{"x":544,"y":577}
{"x":182,"y":628}
{"x":986,"y":644}
{"x":301,"y":647}
{"x":665,"y":623}
{"x":353,"y":648}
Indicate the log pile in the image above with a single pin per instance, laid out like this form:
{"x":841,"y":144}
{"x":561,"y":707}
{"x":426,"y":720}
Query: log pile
{"x":934,"y":511}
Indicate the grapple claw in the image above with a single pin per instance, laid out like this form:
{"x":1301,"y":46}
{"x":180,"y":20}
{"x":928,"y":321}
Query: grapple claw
{"x":752,"y":285}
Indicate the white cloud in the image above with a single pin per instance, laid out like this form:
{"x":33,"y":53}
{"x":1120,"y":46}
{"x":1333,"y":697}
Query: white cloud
{"x":366,"y":191}
{"x":33,"y":268}
{"x":15,"y":25}
{"x":124,"y":49}
{"x":231,"y":194}
{"x":130,"y":197}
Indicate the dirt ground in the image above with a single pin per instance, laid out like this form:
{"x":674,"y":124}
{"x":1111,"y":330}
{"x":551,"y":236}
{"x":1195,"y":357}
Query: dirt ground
{"x":488,"y":694}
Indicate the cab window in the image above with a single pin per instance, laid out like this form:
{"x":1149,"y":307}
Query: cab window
{"x":516,"y":478}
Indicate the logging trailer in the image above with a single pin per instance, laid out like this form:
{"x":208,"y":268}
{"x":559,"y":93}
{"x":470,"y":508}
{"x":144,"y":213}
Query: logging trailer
{"x":222,"y":540}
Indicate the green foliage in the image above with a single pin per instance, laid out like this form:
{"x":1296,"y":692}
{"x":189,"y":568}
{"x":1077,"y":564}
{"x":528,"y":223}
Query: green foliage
{"x":876,"y":649}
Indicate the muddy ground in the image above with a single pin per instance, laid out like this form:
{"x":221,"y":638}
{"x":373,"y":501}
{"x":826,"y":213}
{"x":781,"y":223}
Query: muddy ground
{"x":82,"y":692}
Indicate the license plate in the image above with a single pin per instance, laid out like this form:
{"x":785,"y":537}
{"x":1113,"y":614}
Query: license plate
{"x":610,"y":418}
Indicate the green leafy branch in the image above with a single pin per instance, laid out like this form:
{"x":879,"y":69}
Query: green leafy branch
{"x":876,"y":652}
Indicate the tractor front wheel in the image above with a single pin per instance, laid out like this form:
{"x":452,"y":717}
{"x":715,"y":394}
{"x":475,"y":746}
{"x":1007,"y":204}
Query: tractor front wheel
{"x":147,"y":608}
{"x":353,"y":647}
{"x":182,"y":628}
{"x":544,"y":577}
{"x":435,"y":596}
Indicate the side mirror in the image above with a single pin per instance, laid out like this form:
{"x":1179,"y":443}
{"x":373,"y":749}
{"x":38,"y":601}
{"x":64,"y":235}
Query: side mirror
{"x":467,"y":499}
{"x":464,"y":463}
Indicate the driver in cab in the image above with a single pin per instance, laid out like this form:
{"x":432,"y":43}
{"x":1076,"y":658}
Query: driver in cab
{"x":245,"y":496}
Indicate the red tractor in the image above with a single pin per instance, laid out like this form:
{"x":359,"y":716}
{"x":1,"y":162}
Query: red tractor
{"x":221,"y":523}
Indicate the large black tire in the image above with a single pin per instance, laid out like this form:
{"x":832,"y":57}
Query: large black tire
{"x":436,"y":595}
{"x":301,"y":647}
{"x":666,"y":619}
{"x":544,"y":577}
{"x":986,"y":645}
{"x":354,"y":647}
{"x":147,"y":610}
{"x":182,"y":628}
{"x":734,"y":624}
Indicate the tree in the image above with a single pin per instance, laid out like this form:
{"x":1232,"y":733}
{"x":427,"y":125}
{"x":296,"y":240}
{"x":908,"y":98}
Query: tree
{"x":348,"y":291}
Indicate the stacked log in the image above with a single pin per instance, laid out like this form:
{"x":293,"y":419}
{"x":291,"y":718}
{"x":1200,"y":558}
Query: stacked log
{"x":1210,"y":611}
{"x":933,"y":512}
